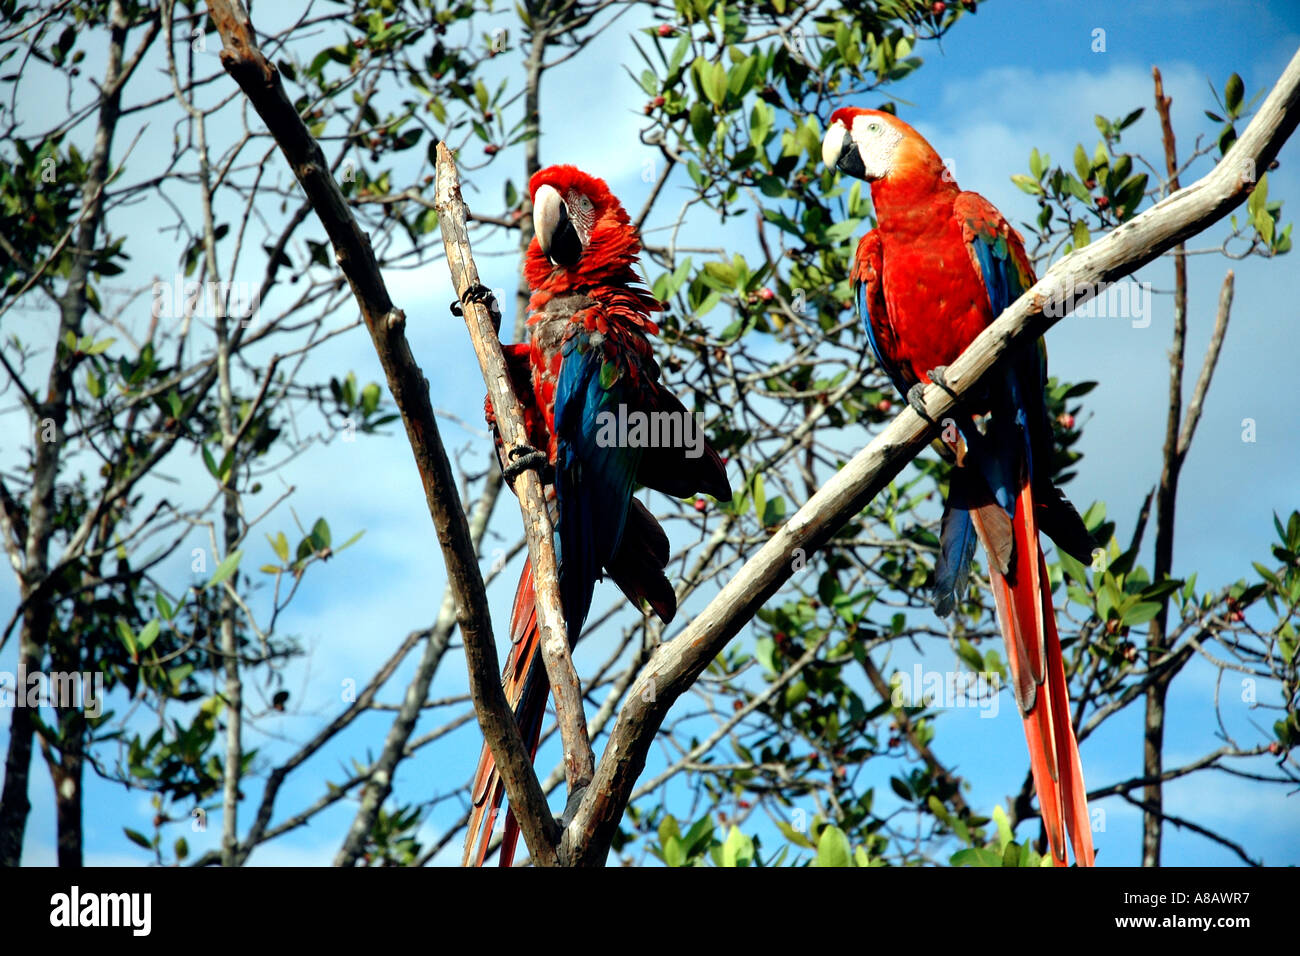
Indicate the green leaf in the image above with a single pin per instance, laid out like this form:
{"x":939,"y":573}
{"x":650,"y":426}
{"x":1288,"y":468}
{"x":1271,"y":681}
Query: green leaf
{"x":1082,"y":165}
{"x":976,"y":857}
{"x":1005,"y":836}
{"x":126,"y":635}
{"x":138,"y":838}
{"x":226,"y":568}
{"x":148,"y":634}
{"x":674,"y":852}
{"x":1027,"y":183}
{"x":351,"y":541}
{"x":833,"y":848}
{"x":1081,"y":234}
{"x":794,"y":836}
{"x":1132,"y":118}
{"x":737,"y":849}
{"x":701,"y":123}
{"x":1141,"y":612}
{"x":280,"y":545}
{"x":1232,"y":94}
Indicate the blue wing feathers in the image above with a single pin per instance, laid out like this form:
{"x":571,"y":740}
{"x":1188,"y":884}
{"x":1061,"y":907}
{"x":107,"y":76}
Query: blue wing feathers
{"x":594,"y":481}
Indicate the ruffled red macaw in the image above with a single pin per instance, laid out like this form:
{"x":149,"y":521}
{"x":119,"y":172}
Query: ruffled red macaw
{"x":938,"y":268}
{"x":587,"y":366}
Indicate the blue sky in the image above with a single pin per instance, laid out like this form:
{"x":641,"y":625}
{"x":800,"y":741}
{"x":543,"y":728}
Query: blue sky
{"x":1010,"y":78}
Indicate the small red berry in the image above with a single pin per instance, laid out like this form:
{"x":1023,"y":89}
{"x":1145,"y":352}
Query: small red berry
{"x":767,"y":295}
{"x":1090,"y":183}
{"x":491,"y":149}
{"x":938,"y":7}
{"x":1274,"y":748}
{"x":701,"y":505}
{"x":1066,"y":420}
{"x":658,"y":101}
{"x":1102,"y":202}
{"x":884,"y":405}
{"x":665,"y":29}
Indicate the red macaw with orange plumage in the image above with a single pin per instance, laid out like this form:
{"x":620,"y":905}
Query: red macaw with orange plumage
{"x":938,"y":268}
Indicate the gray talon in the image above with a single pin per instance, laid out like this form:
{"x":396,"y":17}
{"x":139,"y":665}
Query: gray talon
{"x":916,"y":398}
{"x":524,"y":457}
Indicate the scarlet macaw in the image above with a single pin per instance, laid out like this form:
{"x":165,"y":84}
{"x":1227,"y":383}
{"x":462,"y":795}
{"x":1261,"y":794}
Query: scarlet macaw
{"x":588,"y":364}
{"x":938,"y":268}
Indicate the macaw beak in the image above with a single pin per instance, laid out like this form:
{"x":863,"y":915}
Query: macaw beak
{"x":555,"y":231}
{"x":840,"y":152}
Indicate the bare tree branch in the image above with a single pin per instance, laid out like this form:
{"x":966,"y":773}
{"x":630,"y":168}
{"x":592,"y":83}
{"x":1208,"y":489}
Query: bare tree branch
{"x":567,"y":690}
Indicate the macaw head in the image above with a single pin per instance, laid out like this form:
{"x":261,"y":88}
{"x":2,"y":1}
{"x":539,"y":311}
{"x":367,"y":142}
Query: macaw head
{"x":578,"y":224}
{"x":877,"y":147}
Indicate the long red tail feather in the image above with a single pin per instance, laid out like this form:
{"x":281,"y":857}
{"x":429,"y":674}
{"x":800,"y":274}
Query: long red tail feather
{"x":1028,"y":623}
{"x":524,"y":683}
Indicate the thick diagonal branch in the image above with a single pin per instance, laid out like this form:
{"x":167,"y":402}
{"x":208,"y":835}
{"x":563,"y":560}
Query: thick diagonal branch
{"x":579,"y":763}
{"x":260,"y":81}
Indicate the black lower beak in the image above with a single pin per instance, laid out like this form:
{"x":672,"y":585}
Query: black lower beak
{"x":850,"y":161}
{"x":566,"y":247}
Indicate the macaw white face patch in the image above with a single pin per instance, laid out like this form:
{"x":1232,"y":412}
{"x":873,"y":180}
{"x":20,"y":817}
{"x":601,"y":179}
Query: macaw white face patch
{"x":877,"y":141}
{"x":582,"y":213}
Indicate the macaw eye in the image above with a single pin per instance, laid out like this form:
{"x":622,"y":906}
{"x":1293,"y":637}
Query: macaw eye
{"x":873,"y":128}
{"x":585,"y":204}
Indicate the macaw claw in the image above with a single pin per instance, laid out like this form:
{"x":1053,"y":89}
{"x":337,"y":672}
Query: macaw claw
{"x":916,"y":398}
{"x":523,"y":458}
{"x":483,"y":295}
{"x":916,"y":394}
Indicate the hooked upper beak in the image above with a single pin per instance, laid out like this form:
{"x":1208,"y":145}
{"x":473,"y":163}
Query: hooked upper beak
{"x":839,"y":151}
{"x":555,"y":231}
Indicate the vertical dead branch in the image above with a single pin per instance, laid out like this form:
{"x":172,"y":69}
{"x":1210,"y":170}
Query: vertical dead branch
{"x":1166,"y":496}
{"x":565,"y":686}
